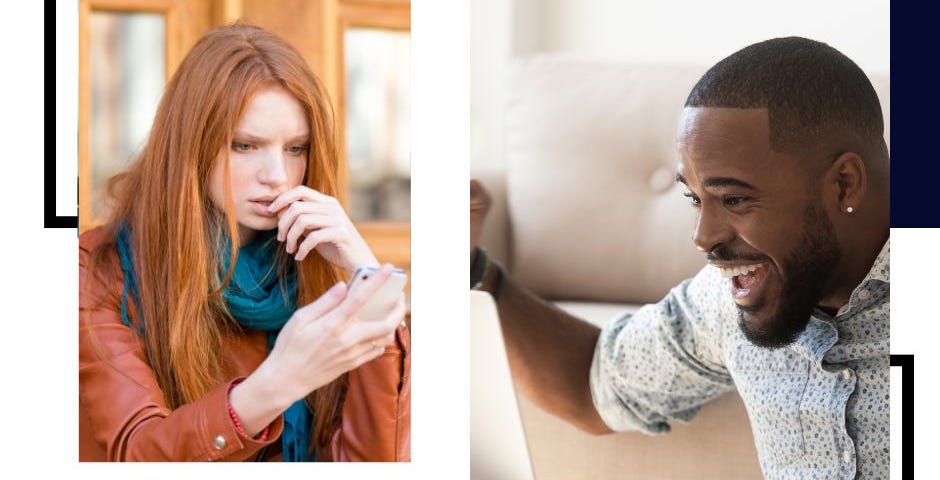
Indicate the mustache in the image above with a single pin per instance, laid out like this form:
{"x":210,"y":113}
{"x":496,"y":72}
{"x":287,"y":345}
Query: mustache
{"x":722,"y":253}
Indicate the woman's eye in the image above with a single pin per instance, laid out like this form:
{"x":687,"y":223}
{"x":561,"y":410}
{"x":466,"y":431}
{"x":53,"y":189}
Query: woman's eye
{"x":241,"y":147}
{"x":695,"y":200}
{"x":298,"y":149}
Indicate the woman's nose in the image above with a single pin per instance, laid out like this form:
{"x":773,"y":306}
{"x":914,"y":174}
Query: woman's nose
{"x":274,"y":170}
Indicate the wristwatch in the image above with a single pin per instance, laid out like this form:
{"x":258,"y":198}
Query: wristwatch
{"x":486,"y":274}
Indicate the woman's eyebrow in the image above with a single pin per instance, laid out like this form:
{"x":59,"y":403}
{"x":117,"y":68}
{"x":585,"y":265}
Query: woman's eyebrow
{"x":303,"y":137}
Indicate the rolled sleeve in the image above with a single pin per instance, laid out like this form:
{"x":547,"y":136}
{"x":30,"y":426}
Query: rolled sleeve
{"x":663,"y":362}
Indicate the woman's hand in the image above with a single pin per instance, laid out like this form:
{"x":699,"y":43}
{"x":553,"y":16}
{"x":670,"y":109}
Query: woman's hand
{"x":308,"y":219}
{"x":320,"y":342}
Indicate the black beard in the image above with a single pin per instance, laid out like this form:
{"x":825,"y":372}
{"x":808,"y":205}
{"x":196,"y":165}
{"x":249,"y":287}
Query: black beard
{"x":808,"y":269}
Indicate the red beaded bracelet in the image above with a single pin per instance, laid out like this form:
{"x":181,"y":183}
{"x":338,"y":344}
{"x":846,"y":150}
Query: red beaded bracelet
{"x":261,"y":437}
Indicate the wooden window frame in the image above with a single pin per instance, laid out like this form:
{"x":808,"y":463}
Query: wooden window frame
{"x":390,"y":241}
{"x":179,"y":36}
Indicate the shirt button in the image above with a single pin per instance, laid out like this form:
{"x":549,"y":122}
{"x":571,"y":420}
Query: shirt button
{"x":847,"y":374}
{"x":219,"y":442}
{"x":847,"y":456}
{"x":864,"y":294}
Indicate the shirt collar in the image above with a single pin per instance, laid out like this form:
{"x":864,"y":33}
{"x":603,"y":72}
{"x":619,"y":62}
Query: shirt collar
{"x":880,"y":270}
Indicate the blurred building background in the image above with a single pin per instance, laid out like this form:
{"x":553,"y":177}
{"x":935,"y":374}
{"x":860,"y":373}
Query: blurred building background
{"x":360,"y":49}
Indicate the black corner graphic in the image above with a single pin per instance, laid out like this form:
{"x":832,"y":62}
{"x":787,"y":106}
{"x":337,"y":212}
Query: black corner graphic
{"x":50,"y":219}
{"x":906,"y":362}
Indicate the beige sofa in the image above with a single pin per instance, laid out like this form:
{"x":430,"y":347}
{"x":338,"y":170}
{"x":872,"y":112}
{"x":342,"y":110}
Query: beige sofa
{"x":587,"y":213}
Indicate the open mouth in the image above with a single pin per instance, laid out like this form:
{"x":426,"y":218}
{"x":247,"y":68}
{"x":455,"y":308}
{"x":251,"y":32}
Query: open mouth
{"x":747,"y":281}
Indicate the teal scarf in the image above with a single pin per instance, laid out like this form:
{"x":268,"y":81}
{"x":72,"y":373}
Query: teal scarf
{"x":256,"y":299}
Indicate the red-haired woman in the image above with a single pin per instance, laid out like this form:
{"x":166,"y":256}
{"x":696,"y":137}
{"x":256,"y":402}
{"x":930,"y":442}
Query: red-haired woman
{"x":213,"y":324}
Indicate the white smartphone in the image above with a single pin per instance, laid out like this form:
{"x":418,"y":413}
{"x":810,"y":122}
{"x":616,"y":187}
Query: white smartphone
{"x":383,"y":300}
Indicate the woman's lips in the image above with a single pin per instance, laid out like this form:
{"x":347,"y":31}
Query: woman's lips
{"x":260,"y":207}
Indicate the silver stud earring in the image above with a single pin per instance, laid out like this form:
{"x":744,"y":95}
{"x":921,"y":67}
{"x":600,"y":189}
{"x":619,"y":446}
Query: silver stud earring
{"x":849,"y":209}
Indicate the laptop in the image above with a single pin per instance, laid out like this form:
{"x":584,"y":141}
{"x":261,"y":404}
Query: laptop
{"x":498,"y":448}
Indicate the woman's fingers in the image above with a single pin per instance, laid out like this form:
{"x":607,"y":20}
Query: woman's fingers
{"x":357,"y":297}
{"x":301,"y":192}
{"x":380,"y":332}
{"x":323,"y":305}
{"x":304,"y":224}
{"x":303,"y":210}
{"x":384,"y":337}
{"x":365,"y":353}
{"x":298,"y":210}
{"x":315,"y":238}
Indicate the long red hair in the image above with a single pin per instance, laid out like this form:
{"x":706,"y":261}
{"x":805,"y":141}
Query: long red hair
{"x":164,"y":201}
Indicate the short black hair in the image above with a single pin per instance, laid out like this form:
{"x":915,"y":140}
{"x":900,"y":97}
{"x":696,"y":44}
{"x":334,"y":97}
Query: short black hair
{"x":812,"y":92}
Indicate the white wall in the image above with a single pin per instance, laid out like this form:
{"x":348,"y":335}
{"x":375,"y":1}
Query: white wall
{"x":664,"y":32}
{"x":703,"y":32}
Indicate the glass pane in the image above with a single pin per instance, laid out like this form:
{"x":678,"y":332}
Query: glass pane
{"x":378,"y":133}
{"x":127,"y":79}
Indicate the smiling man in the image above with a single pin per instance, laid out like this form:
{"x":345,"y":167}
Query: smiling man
{"x":782,"y":154}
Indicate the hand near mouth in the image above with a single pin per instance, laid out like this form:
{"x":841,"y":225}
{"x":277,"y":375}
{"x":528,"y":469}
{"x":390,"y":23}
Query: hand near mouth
{"x":308,"y":220}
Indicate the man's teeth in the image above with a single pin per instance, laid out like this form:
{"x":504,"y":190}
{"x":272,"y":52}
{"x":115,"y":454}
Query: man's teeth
{"x":738,"y":270}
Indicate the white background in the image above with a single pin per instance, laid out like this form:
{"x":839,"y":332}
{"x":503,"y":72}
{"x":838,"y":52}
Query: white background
{"x":39,"y":350}
{"x":39,"y":280}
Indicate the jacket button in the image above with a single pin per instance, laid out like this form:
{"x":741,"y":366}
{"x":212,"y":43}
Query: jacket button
{"x":219,"y":442}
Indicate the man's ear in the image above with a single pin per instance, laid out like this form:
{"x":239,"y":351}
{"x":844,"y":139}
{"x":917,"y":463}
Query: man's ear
{"x":846,"y":182}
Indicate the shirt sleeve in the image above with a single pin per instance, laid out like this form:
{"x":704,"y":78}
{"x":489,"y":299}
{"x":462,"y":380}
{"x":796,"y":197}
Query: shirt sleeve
{"x":663,"y":362}
{"x":122,"y":403}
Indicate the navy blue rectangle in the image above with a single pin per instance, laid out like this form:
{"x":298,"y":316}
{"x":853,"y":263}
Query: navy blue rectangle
{"x":915,"y":165}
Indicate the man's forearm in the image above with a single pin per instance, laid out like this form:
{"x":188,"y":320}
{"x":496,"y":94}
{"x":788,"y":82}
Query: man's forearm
{"x":550,"y":354}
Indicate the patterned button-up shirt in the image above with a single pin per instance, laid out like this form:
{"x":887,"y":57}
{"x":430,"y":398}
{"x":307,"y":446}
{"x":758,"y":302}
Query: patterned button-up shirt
{"x":818,"y":408}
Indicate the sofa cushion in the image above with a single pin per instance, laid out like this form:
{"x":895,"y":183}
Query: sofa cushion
{"x":597,"y":313}
{"x":594,"y":210}
{"x":590,"y":168}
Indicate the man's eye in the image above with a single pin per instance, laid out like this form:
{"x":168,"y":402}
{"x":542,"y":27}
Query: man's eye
{"x":695,"y":200}
{"x":241,"y":147}
{"x":734,"y":200}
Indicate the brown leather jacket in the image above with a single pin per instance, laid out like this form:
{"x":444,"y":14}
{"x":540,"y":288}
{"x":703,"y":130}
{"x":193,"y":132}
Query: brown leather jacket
{"x":123,"y":416}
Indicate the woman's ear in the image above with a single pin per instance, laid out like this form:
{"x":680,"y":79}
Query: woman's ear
{"x":847,"y":180}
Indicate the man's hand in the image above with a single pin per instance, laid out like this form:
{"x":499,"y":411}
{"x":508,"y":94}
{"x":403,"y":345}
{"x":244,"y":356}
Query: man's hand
{"x":479,"y":206}
{"x":550,"y":352}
